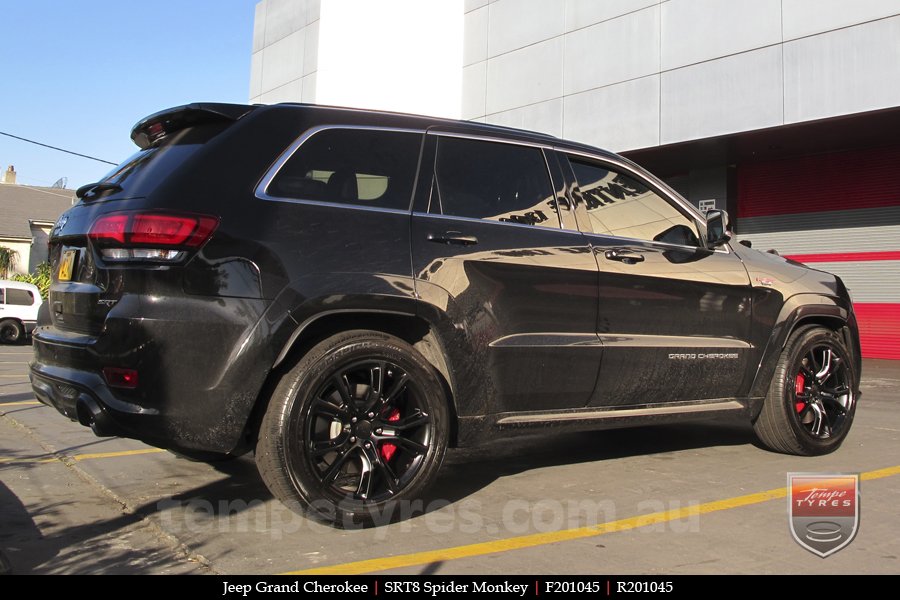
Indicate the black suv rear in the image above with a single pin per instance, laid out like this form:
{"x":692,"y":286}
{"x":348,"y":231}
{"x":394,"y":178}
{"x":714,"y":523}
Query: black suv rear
{"x":351,"y":292}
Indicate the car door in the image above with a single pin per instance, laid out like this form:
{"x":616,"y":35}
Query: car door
{"x":489,"y":253}
{"x":674,"y":317}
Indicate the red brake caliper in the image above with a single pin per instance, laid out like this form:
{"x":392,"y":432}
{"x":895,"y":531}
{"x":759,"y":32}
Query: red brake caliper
{"x":387,"y":450}
{"x":799,"y":388}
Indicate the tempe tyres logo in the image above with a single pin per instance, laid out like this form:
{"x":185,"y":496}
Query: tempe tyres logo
{"x":823,"y":510}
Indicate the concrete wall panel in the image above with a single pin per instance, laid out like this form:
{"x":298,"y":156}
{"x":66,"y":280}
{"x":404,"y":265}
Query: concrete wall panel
{"x":737,"y":93}
{"x":613,"y":51}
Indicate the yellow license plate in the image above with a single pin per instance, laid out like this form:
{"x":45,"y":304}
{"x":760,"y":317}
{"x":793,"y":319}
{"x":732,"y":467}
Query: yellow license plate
{"x":66,"y":264}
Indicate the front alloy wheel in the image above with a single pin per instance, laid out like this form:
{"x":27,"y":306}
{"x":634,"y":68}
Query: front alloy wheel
{"x":812,"y":398}
{"x":822,"y":394}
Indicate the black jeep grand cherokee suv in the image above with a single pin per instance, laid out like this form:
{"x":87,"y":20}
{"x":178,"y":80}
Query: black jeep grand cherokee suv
{"x":350,"y":292}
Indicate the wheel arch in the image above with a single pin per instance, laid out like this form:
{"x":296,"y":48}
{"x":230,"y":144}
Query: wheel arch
{"x":799,"y":312}
{"x":412,"y":329}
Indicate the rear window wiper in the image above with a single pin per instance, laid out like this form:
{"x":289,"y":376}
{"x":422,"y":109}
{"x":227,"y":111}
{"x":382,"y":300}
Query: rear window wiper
{"x":94,"y":188}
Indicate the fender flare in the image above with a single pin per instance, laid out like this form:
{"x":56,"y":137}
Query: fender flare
{"x":797,"y":310}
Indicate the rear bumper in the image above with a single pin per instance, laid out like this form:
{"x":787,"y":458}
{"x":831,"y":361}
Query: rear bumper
{"x":85,"y":397}
{"x":195,"y":390}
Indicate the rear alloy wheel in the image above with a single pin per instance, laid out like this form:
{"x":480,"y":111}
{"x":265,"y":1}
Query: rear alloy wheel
{"x":11,"y":331}
{"x":811,"y":401}
{"x":357,"y":426}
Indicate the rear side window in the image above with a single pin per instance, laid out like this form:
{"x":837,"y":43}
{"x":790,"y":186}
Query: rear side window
{"x":19,"y":297}
{"x":364,"y":167}
{"x":2,"y":296}
{"x":493,"y":181}
{"x":620,"y":205}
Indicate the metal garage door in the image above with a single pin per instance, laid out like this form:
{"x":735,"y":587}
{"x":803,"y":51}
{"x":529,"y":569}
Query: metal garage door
{"x":838,"y":212}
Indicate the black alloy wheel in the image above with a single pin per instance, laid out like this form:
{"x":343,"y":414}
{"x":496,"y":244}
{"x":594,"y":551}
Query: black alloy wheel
{"x":823,"y":397}
{"x":367,"y":431}
{"x":356,"y":428}
{"x":812,"y":398}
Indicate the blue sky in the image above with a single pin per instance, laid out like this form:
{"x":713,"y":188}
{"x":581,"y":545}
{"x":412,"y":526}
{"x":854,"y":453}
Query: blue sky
{"x":79,"y":74}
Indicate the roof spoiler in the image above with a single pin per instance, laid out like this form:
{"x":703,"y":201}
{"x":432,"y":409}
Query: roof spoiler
{"x":150,"y":129}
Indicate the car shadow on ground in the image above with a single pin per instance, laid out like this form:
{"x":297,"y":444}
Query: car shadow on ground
{"x":466,"y":471}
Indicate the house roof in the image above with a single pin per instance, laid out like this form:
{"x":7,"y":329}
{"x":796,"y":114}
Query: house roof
{"x":20,"y":204}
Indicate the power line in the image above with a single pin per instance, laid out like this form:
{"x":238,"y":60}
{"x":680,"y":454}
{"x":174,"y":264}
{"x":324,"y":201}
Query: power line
{"x":55,"y":148}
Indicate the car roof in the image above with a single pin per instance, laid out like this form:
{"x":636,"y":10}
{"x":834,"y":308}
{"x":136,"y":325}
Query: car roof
{"x":363,"y":117}
{"x":17,"y":285}
{"x":396,"y":119}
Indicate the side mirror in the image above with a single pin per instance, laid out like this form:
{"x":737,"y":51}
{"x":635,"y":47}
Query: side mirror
{"x":718,"y":229}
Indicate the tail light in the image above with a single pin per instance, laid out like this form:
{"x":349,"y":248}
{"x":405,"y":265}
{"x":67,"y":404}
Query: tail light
{"x":121,"y":378}
{"x":150,"y":236}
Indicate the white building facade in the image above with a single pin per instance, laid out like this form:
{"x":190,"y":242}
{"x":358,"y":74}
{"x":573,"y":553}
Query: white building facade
{"x":785,"y":112}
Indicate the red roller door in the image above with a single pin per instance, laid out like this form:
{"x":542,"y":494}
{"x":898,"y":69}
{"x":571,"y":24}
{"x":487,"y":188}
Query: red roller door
{"x":839,"y":212}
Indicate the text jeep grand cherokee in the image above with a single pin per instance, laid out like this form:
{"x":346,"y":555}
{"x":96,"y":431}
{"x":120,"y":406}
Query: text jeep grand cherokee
{"x":349,"y":292}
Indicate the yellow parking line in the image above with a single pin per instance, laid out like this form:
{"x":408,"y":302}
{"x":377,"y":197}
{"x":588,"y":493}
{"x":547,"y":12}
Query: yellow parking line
{"x":81,"y":457}
{"x":23,"y":403}
{"x":552,"y":537}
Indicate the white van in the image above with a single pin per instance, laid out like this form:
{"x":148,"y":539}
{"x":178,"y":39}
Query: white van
{"x":19,"y":304}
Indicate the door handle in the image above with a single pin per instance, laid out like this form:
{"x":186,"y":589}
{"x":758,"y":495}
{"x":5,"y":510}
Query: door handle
{"x":452,"y":237}
{"x":629,"y":258}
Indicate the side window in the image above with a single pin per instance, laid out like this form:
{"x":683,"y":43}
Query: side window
{"x":19,"y":297}
{"x":620,"y":205}
{"x":364,"y":167}
{"x":2,"y":295}
{"x":493,"y":181}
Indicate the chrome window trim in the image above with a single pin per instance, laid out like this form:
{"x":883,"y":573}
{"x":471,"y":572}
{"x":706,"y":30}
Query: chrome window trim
{"x":396,"y":211}
{"x":629,"y":240}
{"x":489,"y":138}
{"x":261,"y":190}
{"x":487,"y":221}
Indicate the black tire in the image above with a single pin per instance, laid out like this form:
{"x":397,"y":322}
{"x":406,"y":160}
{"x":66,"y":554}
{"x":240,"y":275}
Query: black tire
{"x":11,"y":331}
{"x":358,"y":427}
{"x":812,"y":398}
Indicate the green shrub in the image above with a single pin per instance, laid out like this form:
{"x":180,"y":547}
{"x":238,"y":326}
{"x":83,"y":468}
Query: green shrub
{"x":41,"y":278}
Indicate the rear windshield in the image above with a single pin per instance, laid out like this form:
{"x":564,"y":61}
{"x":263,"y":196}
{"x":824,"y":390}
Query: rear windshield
{"x":141,"y":172}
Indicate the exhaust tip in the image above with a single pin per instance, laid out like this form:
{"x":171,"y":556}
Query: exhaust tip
{"x":91,"y":415}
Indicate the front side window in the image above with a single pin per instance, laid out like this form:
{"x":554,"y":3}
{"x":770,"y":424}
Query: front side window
{"x":19,"y":297}
{"x":619,"y":205}
{"x":364,"y":167}
{"x":493,"y":181}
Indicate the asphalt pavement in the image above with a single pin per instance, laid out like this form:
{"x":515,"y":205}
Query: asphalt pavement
{"x":696,"y":498}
